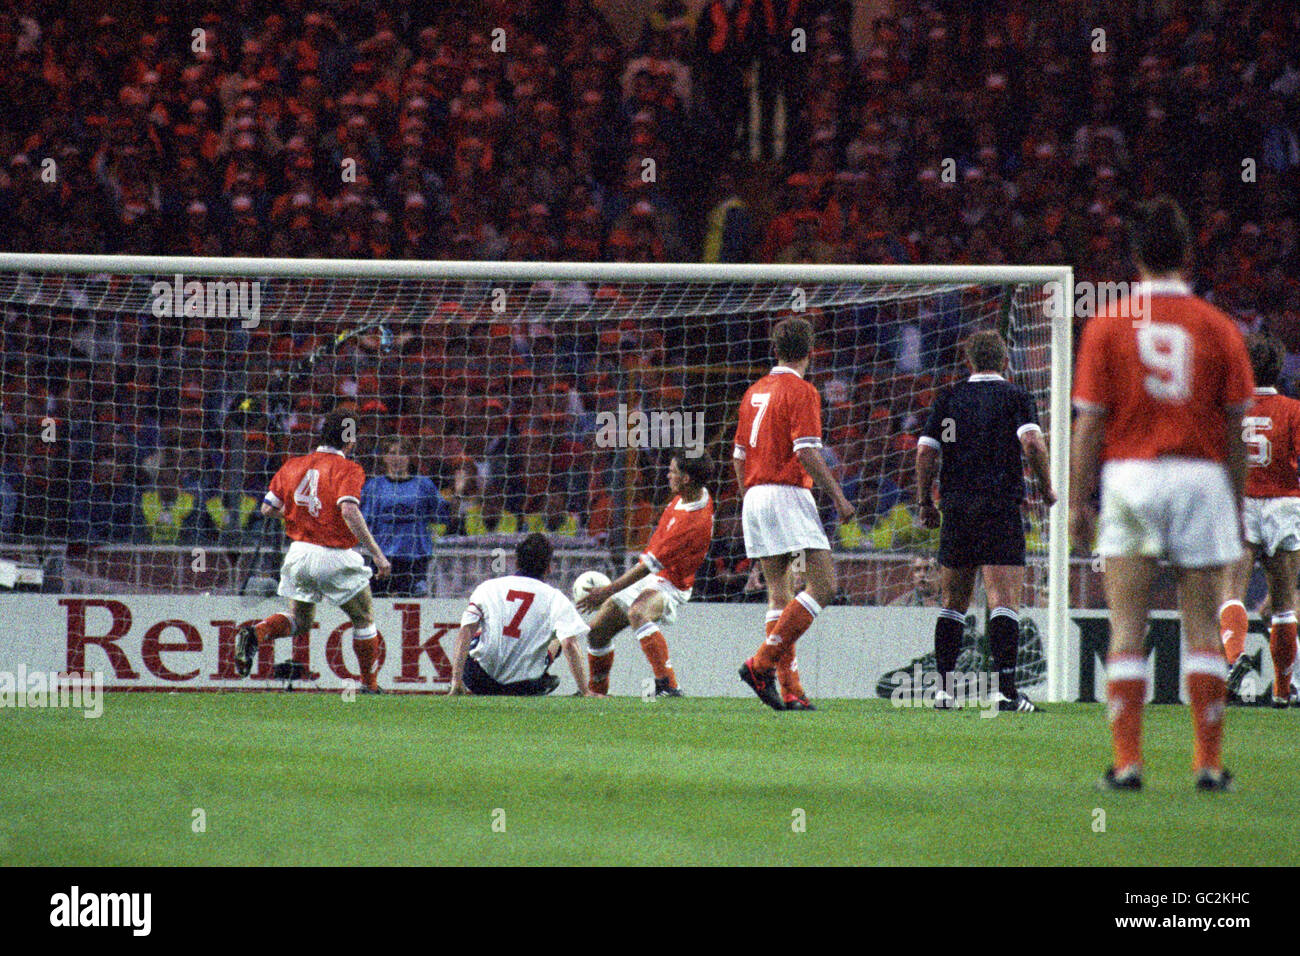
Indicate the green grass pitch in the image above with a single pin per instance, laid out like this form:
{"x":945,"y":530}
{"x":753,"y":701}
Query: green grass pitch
{"x":313,"y":779}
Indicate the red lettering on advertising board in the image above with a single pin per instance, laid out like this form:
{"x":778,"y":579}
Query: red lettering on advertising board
{"x":413,"y":647}
{"x":152,"y":647}
{"x":78,"y":638}
{"x":334,"y":652}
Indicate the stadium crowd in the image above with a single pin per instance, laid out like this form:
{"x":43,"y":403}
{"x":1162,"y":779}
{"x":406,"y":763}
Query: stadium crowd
{"x":1006,"y":132}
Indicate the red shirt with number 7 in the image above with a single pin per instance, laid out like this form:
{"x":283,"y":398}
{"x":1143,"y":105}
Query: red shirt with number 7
{"x":780,"y":414}
{"x":1165,"y":380}
{"x":309,"y":489}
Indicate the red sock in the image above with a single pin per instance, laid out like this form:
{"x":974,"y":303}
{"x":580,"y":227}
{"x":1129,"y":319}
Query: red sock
{"x":655,"y":649}
{"x":795,"y":619}
{"x":1282,"y":648}
{"x":770,"y":624}
{"x":364,"y":646}
{"x":787,"y":674}
{"x":1233,"y":625}
{"x":1207,"y":687}
{"x":1126,"y":695}
{"x":277,"y":625}
{"x":599,"y":664}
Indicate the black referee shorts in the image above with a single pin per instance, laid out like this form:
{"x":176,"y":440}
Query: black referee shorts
{"x":483,"y":684}
{"x":981,"y":531}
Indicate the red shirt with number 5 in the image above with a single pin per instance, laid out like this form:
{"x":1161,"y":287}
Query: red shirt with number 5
{"x":1166,"y":370}
{"x":1271,"y":430}
{"x":310,"y":488}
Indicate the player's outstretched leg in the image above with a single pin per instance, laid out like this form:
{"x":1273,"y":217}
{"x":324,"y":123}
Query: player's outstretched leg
{"x":1128,"y":589}
{"x":1206,"y":674}
{"x":249,"y":637}
{"x":1281,"y":567}
{"x":1005,"y":585}
{"x":599,"y":662}
{"x":763,"y":682}
{"x":956,"y":585}
{"x":787,"y":676}
{"x":1282,"y":648}
{"x":643,"y":616}
{"x":365,"y":638}
{"x":1233,"y":625}
{"x":606,"y":623}
{"x":760,"y":671}
{"x":655,"y":648}
{"x":1126,"y":694}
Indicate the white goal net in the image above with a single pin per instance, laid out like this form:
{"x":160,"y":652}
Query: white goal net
{"x":147,"y":402}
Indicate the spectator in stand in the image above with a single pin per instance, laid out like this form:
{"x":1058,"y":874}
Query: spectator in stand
{"x":538,"y":152}
{"x":924,"y":591}
{"x":170,"y":508}
{"x":399,"y":507}
{"x":107,"y":509}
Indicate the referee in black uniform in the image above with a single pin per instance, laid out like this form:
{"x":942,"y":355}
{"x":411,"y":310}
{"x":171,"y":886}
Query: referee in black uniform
{"x":977,"y":430}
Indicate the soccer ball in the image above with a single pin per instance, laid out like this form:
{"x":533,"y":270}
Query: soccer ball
{"x":587,"y":582}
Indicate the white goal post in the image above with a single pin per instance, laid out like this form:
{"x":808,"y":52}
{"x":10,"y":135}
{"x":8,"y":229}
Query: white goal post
{"x":853,"y":302}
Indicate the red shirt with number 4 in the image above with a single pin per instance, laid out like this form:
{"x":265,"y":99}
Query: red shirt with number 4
{"x":1271,"y":430}
{"x":780,"y":414}
{"x":1165,"y":380}
{"x":309,"y":489}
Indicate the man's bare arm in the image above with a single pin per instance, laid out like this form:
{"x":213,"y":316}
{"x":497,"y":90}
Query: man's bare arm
{"x":926,"y":460}
{"x":815,"y":465}
{"x":598,"y":596}
{"x":573,"y":655}
{"x":1085,"y":469}
{"x":1035,"y":448}
{"x":356,"y":523}
{"x":459,"y":655}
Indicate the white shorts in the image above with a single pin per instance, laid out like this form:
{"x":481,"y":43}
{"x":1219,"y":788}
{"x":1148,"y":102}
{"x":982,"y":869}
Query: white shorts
{"x":673,"y":598}
{"x":781,"y":519}
{"x":311,"y":572}
{"x":1177,"y":509}
{"x":1272,"y":522}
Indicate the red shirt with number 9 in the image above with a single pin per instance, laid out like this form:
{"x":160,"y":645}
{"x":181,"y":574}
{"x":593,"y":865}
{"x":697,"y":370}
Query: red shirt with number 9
{"x":310,"y":489}
{"x":1167,"y":379}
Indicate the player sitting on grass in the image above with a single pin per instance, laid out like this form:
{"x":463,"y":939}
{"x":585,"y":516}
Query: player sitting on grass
{"x":513,"y":630}
{"x":650,"y":592}
{"x":319,"y":498}
{"x":1271,"y":515}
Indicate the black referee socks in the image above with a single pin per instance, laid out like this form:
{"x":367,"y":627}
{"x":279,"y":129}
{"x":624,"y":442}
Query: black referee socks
{"x":1004,"y":642}
{"x":947,"y":642}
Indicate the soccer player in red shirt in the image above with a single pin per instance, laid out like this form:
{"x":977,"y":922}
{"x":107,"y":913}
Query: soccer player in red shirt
{"x":1161,"y":385}
{"x":777,"y":458}
{"x":319,"y":498}
{"x":650,"y":592}
{"x":1271,"y":515}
